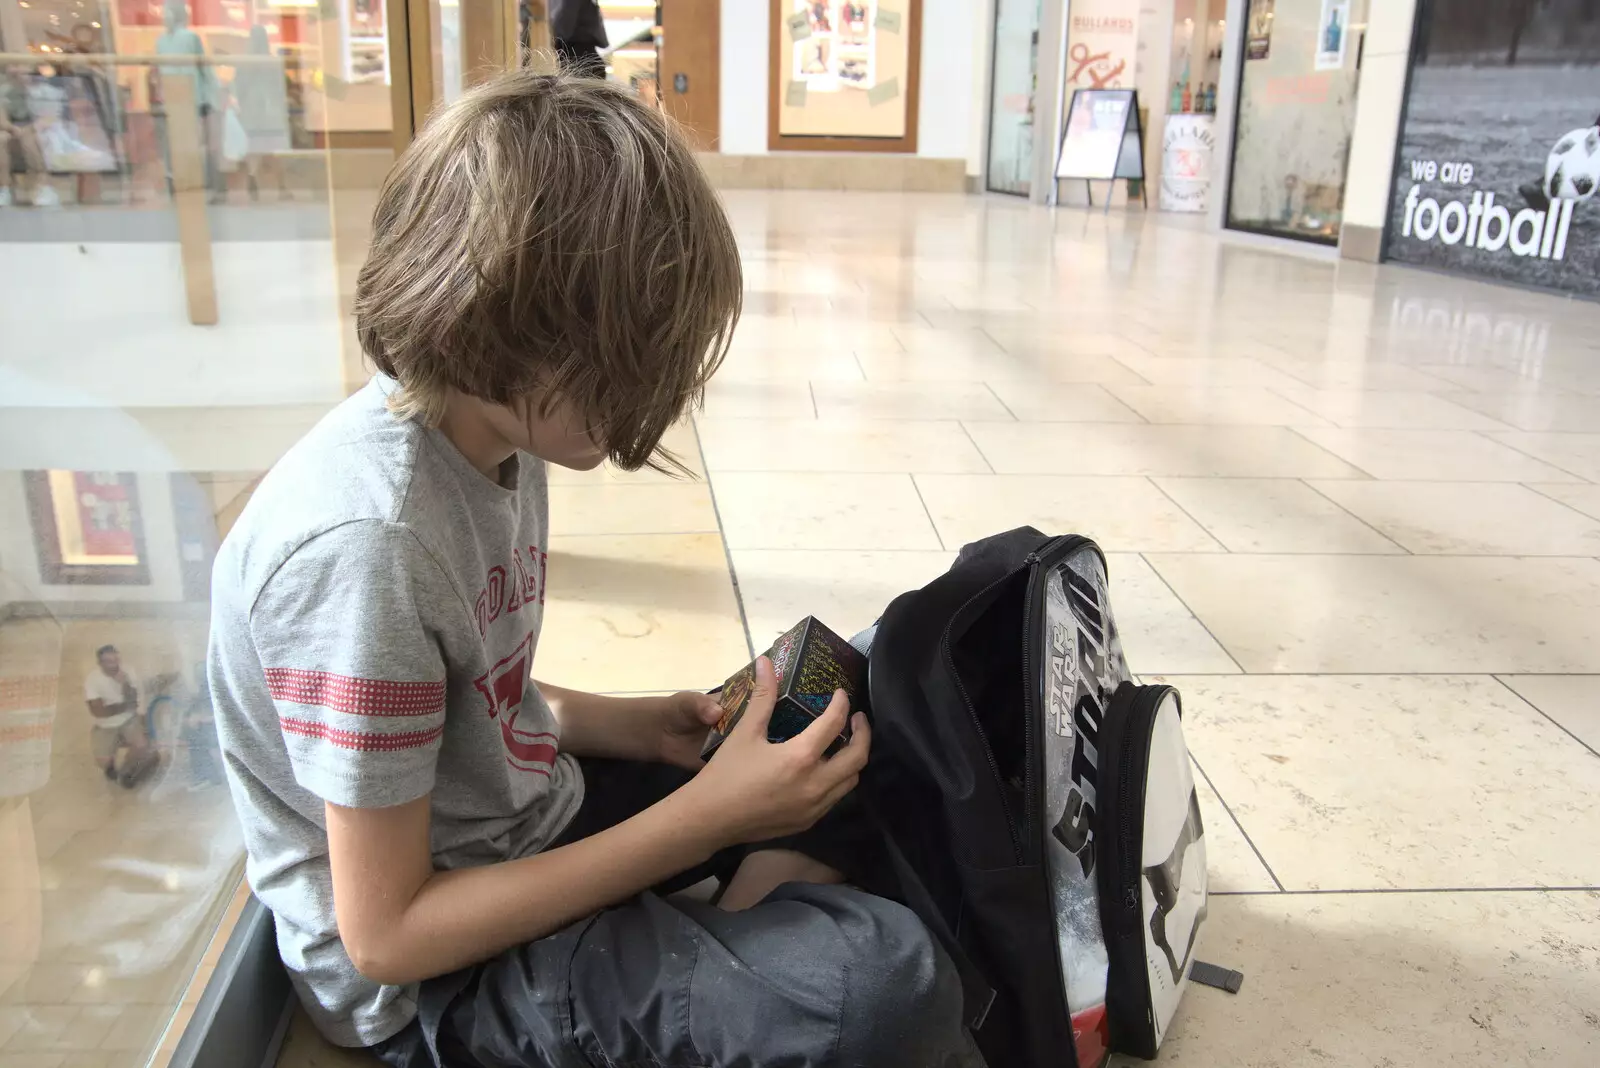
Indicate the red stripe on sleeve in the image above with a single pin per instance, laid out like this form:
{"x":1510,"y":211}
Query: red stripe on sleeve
{"x":355,"y":696}
{"x":361,"y":741}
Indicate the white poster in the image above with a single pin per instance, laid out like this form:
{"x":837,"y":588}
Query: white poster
{"x":1095,"y":127}
{"x":1333,"y":29}
{"x":835,"y":42}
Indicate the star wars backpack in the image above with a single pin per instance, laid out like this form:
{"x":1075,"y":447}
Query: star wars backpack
{"x":1038,"y":806}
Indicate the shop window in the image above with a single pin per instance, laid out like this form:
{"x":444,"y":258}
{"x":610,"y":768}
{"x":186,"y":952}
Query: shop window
{"x":1296,"y":109}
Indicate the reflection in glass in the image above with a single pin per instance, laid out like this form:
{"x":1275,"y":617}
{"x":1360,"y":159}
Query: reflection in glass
{"x":185,"y":191}
{"x":1297,"y":107}
{"x":1011,"y":99}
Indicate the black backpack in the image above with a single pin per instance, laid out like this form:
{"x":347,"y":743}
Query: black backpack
{"x":1038,"y":806}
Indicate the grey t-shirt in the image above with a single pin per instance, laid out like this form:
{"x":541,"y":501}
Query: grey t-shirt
{"x":374,"y":617}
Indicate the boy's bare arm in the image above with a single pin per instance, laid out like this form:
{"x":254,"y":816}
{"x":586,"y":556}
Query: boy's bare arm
{"x":669,"y":730}
{"x":401,"y":921}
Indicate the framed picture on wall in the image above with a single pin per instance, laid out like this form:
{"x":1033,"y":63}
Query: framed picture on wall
{"x":87,"y":527}
{"x":843,"y":75}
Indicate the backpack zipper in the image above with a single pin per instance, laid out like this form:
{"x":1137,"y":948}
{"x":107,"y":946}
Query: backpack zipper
{"x":977,"y":724}
{"x":1122,"y":914}
{"x":1130,"y":787}
{"x":1055,"y":548}
{"x":1023,"y":834}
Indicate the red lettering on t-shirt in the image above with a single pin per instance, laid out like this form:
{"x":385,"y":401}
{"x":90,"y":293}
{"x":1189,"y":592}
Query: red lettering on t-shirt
{"x":504,"y":686}
{"x":505,"y":594}
{"x":496,"y":591}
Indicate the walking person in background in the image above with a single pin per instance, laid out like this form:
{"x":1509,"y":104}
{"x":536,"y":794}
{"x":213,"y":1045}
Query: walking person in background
{"x":579,"y":34}
{"x":112,"y":693}
{"x":261,"y":98}
{"x":179,"y":40}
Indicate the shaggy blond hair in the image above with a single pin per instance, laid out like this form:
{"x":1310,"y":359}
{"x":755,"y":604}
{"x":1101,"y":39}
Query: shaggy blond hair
{"x":553,"y":237}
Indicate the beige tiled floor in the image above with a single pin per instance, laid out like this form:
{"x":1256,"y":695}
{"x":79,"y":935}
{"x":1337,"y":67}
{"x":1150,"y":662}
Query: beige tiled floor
{"x":1365,"y":552}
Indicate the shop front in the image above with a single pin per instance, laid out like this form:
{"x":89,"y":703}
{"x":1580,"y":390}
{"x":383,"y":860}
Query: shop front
{"x":1188,"y":136}
{"x":1012,"y":103}
{"x":1298,"y":74}
{"x":1499,"y":152}
{"x":1161,"y":63}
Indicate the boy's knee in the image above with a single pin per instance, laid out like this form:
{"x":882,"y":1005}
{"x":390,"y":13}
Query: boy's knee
{"x":902,"y":996}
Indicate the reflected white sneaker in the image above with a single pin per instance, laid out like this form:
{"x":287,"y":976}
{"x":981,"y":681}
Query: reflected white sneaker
{"x":46,"y":197}
{"x":5,"y":197}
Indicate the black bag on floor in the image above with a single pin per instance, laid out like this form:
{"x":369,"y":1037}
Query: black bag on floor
{"x":1038,"y":806}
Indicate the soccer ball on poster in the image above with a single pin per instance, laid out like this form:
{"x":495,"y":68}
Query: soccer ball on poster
{"x":1573,"y":167}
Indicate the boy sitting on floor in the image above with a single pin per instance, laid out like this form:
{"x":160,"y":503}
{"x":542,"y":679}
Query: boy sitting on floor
{"x":467,"y":867}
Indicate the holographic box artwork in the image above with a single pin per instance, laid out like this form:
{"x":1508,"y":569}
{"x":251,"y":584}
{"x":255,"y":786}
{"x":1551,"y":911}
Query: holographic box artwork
{"x":811,"y":662}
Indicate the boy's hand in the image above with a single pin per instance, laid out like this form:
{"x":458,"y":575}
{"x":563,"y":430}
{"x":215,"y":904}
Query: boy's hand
{"x":753,"y":789}
{"x":685,"y":719}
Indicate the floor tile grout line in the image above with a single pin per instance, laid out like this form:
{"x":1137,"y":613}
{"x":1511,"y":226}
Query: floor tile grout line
{"x":1277,"y":391}
{"x":981,"y":454}
{"x":927,"y":512}
{"x":1553,"y":721}
{"x":1523,"y":452}
{"x":1135,"y":374}
{"x":1360,"y":890}
{"x":1306,"y":482}
{"x":1534,"y":486}
{"x":1386,"y":392}
{"x":984,"y":330}
{"x":722,"y":536}
{"x":1159,"y":488}
{"x":1192,"y":613}
{"x":1000,"y":402}
{"x":1369,"y":476}
{"x":1251,"y":842}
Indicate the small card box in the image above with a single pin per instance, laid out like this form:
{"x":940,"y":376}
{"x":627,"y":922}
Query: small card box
{"x":811,"y":662}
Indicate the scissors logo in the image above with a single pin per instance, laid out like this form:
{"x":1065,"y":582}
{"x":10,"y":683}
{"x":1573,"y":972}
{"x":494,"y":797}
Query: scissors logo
{"x":1096,"y":66}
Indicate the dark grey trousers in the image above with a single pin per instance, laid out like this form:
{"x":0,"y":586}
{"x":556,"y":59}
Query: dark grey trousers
{"x":812,"y":976}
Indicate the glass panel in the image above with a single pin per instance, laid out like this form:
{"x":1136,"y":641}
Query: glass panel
{"x":181,"y":237}
{"x":1016,"y":61}
{"x":632,"y":57}
{"x":1297,"y":106}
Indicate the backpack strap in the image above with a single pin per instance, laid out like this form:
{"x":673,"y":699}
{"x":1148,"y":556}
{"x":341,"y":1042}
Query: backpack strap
{"x":1217,"y":976}
{"x":976,"y":994}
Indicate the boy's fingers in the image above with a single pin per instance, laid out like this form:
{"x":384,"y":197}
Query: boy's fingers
{"x":848,"y":762}
{"x":707,"y":709}
{"x":758,"y":713}
{"x":821,"y":732}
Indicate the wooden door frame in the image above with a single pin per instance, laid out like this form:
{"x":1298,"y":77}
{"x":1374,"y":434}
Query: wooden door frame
{"x":488,"y":43}
{"x":712,"y":76}
{"x":906,"y":143}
